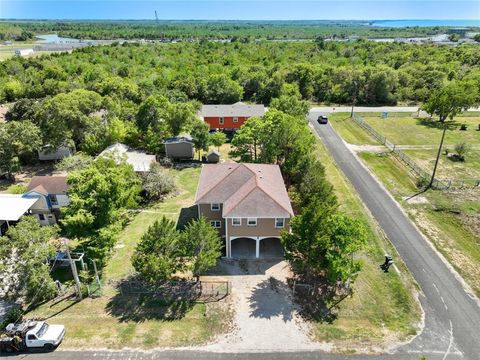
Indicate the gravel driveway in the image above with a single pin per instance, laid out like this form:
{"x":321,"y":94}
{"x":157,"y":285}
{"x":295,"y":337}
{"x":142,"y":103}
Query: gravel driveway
{"x":265,"y":318}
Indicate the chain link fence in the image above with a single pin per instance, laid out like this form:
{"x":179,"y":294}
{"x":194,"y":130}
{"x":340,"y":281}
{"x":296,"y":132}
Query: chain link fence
{"x":422,"y":174}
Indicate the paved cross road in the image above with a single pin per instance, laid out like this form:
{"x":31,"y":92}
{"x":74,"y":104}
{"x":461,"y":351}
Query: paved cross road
{"x":452,"y":316}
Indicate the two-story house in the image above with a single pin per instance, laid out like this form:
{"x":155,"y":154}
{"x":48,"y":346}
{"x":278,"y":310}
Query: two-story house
{"x":248,"y":204}
{"x":229,"y":117}
{"x":52,"y":194}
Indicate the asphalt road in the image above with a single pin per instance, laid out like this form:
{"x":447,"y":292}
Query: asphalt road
{"x":452,"y":316}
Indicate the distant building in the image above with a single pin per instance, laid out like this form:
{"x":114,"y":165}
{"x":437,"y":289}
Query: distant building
{"x":24,"y":52}
{"x":459,"y":31}
{"x":140,"y":161}
{"x":229,"y":117}
{"x":49,"y":153}
{"x":179,"y":148}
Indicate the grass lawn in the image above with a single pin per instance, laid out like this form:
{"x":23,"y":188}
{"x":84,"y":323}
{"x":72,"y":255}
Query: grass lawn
{"x":412,"y":131}
{"x":383,"y":308}
{"x":447,"y":168}
{"x":350,"y":131}
{"x":115,"y":321}
{"x":449,"y":219}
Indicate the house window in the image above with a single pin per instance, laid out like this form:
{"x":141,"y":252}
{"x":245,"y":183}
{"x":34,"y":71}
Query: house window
{"x":220,"y":120}
{"x":53,"y":199}
{"x":279,"y":223}
{"x":252,"y":221}
{"x":237,"y":222}
{"x":217,"y":224}
{"x":41,"y":217}
{"x":215,"y":207}
{"x":235,"y":119}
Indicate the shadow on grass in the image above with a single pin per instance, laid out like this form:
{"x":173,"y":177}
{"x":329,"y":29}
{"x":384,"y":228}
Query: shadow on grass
{"x":168,"y":302}
{"x":186,"y":216}
{"x":435,"y":124}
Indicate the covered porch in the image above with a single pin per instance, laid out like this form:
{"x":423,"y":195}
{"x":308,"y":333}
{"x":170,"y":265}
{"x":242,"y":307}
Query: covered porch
{"x":258,"y":247}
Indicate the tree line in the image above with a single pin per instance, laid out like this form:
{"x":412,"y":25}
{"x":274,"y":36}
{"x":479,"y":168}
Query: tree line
{"x":241,"y":30}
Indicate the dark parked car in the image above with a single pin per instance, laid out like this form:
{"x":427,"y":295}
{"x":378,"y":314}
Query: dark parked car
{"x":322,"y":119}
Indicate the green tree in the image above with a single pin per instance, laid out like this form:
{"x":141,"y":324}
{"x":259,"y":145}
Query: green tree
{"x":100,"y":194}
{"x":74,"y":162}
{"x":201,"y":245}
{"x":218,"y":139}
{"x":157,"y":256}
{"x":18,"y":141}
{"x":28,"y":245}
{"x":446,"y":103}
{"x":67,"y":117}
{"x":323,"y":242}
{"x":247,"y":140}
{"x":290,"y":105}
{"x":200,"y":136}
{"x":158,"y":182}
{"x":222,"y":90}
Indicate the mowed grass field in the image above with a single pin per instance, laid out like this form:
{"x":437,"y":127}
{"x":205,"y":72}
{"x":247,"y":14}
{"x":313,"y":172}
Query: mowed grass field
{"x":425,"y":131}
{"x":450,"y":219}
{"x":383,"y":308}
{"x":114,"y":322}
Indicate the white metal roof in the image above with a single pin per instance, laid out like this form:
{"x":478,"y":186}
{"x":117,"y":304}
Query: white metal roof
{"x":12,"y":207}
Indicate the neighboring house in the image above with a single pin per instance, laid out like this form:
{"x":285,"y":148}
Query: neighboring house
{"x":13,"y":207}
{"x":49,"y":153}
{"x":52,"y":194}
{"x":213,"y":157}
{"x":179,"y":148}
{"x":229,"y":117}
{"x":248,"y":204}
{"x":140,"y":160}
{"x":24,"y":52}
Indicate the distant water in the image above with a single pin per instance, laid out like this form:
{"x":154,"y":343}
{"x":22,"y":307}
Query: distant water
{"x":423,"y":23}
{"x":54,"y":39}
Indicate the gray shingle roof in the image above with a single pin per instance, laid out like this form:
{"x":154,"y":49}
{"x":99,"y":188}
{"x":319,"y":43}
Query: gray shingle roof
{"x":237,"y":109}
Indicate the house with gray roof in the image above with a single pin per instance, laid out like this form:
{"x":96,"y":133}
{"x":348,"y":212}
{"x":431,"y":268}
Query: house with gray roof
{"x":248,"y":204}
{"x":229,"y":117}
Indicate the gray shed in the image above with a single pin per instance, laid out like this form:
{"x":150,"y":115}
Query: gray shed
{"x":213,"y":157}
{"x":179,"y":148}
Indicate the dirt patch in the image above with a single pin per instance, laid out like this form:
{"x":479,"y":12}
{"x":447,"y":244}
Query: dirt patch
{"x":416,"y":200}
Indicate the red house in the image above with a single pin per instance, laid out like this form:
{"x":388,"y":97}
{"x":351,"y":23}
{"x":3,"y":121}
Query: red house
{"x":229,"y":117}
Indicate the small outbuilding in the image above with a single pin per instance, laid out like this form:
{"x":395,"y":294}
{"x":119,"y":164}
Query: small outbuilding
{"x":49,"y":153}
{"x":213,"y":157}
{"x":179,"y":148}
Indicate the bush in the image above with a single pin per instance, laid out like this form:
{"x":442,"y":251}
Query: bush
{"x":158,"y":183}
{"x":463,"y":127}
{"x":461,"y":150}
{"x":78,"y":161}
{"x":12,"y":316}
{"x":17,"y":189}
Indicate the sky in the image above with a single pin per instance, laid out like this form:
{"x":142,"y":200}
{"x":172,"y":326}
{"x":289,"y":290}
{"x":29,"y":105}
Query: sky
{"x":240,"y":10}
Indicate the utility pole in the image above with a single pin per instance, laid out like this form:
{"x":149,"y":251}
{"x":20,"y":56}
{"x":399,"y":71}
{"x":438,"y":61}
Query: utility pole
{"x":74,"y":271}
{"x":438,"y":156}
{"x":354,"y":97}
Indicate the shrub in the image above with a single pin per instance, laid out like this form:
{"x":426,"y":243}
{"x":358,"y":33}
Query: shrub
{"x":17,"y":189}
{"x":74,"y":162}
{"x":158,"y":183}
{"x":12,"y":316}
{"x":462,"y":149}
{"x":463,"y":127}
